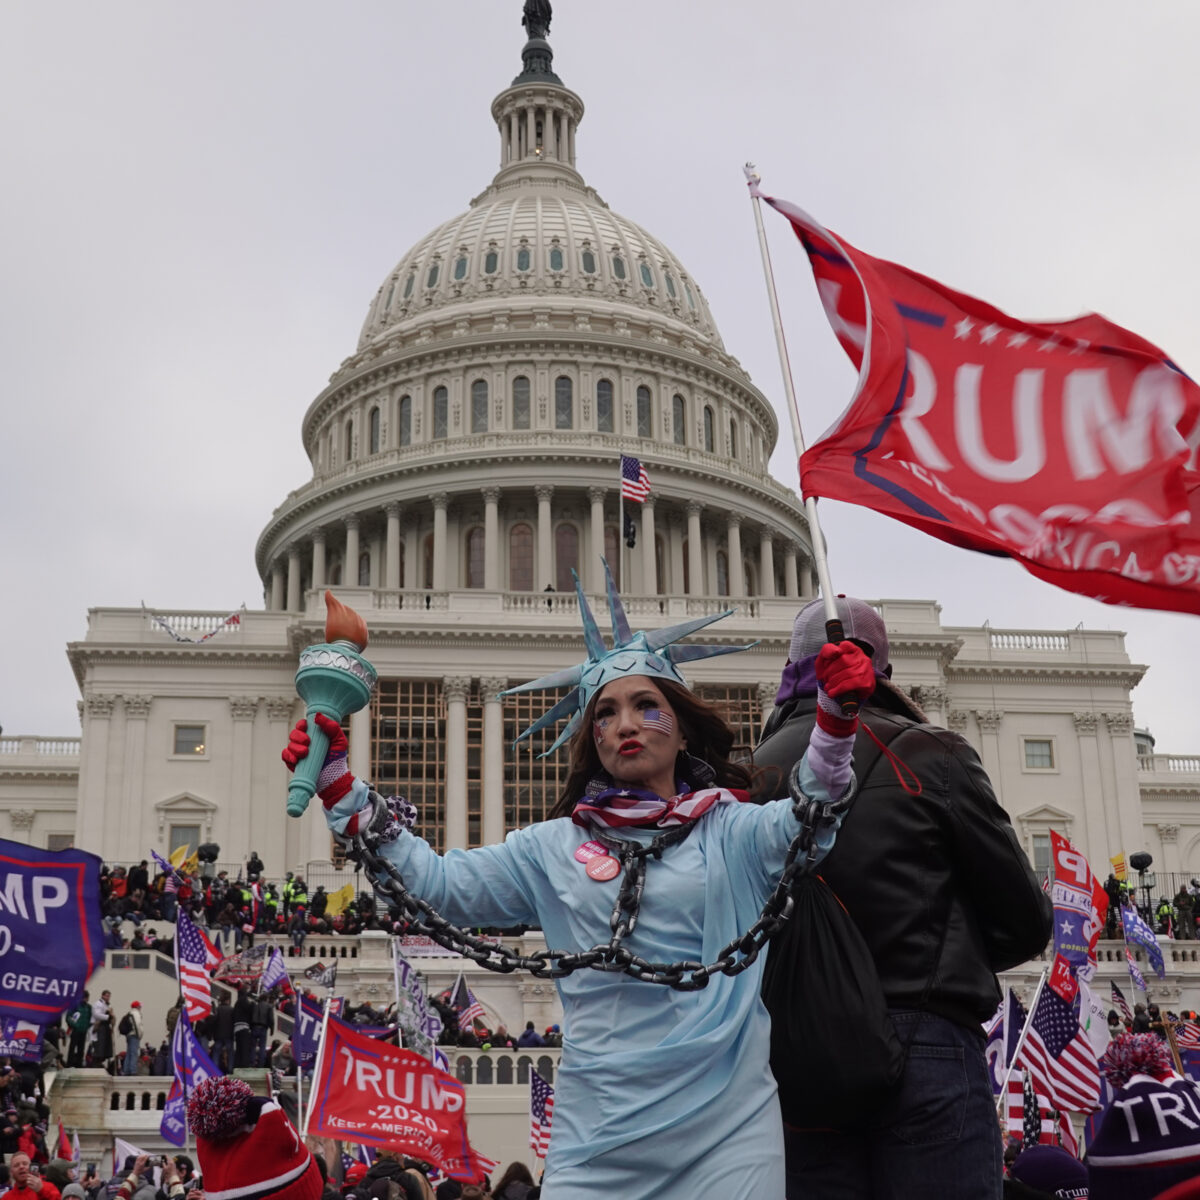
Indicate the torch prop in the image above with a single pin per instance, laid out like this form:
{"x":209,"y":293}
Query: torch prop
{"x":333,"y":679}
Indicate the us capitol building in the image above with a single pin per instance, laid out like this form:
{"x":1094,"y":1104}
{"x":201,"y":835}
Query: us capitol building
{"x":464,"y":463}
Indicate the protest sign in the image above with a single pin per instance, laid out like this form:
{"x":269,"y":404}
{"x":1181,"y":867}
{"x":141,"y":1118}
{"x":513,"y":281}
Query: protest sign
{"x":51,"y":938}
{"x":381,"y":1096}
{"x":20,"y":1040}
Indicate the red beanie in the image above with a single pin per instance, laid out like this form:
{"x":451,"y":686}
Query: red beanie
{"x":248,"y":1149}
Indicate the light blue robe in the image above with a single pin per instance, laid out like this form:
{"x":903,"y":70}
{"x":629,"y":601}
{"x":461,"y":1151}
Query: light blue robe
{"x":660,"y":1093}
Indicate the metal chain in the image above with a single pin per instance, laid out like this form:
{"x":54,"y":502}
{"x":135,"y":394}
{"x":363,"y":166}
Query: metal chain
{"x":613,"y":956}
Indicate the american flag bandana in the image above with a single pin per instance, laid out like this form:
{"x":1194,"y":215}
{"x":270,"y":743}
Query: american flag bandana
{"x":619,"y":807}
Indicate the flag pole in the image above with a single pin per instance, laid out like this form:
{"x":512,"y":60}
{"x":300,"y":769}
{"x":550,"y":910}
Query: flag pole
{"x":820,"y":561}
{"x":623,"y":582}
{"x":1037,"y":995}
{"x":317,"y":1065}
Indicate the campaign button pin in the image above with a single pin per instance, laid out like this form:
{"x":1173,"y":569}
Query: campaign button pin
{"x":590,"y":850}
{"x":603,"y":868}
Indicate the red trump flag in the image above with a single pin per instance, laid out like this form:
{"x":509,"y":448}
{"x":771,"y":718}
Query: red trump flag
{"x":380,"y":1096}
{"x":1070,"y":446}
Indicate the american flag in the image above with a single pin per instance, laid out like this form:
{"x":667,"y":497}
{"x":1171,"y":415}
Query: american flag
{"x":541,"y":1113}
{"x":1187,"y":1034}
{"x":635,"y":483}
{"x":195,"y":958}
{"x":1118,"y":998}
{"x":1060,"y":1057}
{"x":464,"y":1003}
{"x":1053,"y":1128}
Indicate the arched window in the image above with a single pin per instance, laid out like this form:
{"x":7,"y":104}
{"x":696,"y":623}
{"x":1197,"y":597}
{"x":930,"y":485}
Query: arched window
{"x":408,"y":284}
{"x":335,"y":573}
{"x":612,"y":552}
{"x":589,"y":262}
{"x":604,"y":406}
{"x":709,"y":429}
{"x":643,"y":411}
{"x":556,"y":258}
{"x":670,"y":284}
{"x":647,"y":275}
{"x":349,"y":431}
{"x":364,"y":569}
{"x":373,"y":426}
{"x":479,"y":406}
{"x":391,"y":292}
{"x":520,"y":402}
{"x":750,"y":577}
{"x":427,"y":561}
{"x":401,"y":573}
{"x":475,"y":549}
{"x":564,"y":403}
{"x":491,"y":261}
{"x":441,"y":412}
{"x":722,"y":573}
{"x":405,"y":420}
{"x":660,"y":564}
{"x":566,"y":556}
{"x":524,"y":260}
{"x":460,"y":267}
{"x":733,"y":445}
{"x":520,"y":558}
{"x":432,"y":278}
{"x":678,"y":420}
{"x":618,"y":264}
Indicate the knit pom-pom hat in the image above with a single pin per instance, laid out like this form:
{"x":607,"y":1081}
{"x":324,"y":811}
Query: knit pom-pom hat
{"x":248,"y":1149}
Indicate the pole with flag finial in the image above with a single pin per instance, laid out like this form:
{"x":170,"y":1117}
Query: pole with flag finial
{"x":833,"y":623}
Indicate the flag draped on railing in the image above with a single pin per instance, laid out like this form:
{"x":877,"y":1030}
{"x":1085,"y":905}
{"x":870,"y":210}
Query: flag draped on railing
{"x":1070,"y":446}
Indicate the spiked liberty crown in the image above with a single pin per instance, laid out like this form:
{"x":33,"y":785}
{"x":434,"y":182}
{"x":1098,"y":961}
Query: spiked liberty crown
{"x":652,"y":654}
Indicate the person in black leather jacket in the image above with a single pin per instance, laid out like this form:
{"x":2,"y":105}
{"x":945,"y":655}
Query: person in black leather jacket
{"x":944,"y":896}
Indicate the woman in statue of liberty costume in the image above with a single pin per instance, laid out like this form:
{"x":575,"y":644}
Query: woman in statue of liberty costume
{"x":660,"y":1093}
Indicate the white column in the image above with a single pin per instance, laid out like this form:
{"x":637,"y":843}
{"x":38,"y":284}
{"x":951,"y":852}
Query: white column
{"x":766,"y":563}
{"x":293,"y":578}
{"x":491,"y":542}
{"x":571,"y":141}
{"x":791,"y":581}
{"x":456,"y":689}
{"x":733,"y":547}
{"x":440,"y":500}
{"x":392,"y":582}
{"x":695,"y":550}
{"x":594,"y":575}
{"x":277,"y":584}
{"x":493,"y":760}
{"x":545,"y":545}
{"x":350,"y":565}
{"x":649,"y":558}
{"x":132,"y":816}
{"x":318,"y":559}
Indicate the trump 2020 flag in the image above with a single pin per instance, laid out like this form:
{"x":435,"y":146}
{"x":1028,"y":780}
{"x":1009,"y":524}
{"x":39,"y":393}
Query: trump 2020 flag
{"x":1070,"y":446}
{"x":51,"y":936}
{"x":1140,"y":934}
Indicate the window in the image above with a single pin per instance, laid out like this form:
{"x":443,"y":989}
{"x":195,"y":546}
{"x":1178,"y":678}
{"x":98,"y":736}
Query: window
{"x":408,"y":284}
{"x":604,"y":406}
{"x":491,"y":261}
{"x":520,"y":558}
{"x":1041,"y":856}
{"x":441,"y":412}
{"x":660,"y":564}
{"x":732,"y":439}
{"x":427,"y":561}
{"x":390,"y":296}
{"x":643,"y":411}
{"x":189,"y":739}
{"x":373,"y":427}
{"x":479,"y":406}
{"x":1039,"y":754}
{"x":475,"y":549}
{"x":612,"y":552}
{"x":647,"y":275}
{"x":432,"y":278}
{"x":564,"y":403}
{"x":405,"y":420}
{"x":566,"y":557}
{"x":183,"y":837}
{"x":349,"y":431}
{"x":400,"y":573}
{"x":618,"y":267}
{"x":709,"y":430}
{"x":670,"y":284}
{"x":556,"y":258}
{"x":60,"y":841}
{"x":722,"y":573}
{"x":460,"y":267}
{"x":687,"y":291}
{"x":364,"y":569}
{"x":524,"y":259}
{"x":520,"y":402}
{"x":588,"y":260}
{"x":678,"y":419}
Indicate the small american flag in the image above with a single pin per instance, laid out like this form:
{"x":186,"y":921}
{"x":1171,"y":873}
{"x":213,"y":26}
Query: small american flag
{"x":1060,"y":1057}
{"x":195,"y":958}
{"x":1187,"y":1034}
{"x":1053,"y":1127}
{"x":1118,"y":998}
{"x":541,"y":1113}
{"x":464,"y":1003}
{"x":635,"y":483}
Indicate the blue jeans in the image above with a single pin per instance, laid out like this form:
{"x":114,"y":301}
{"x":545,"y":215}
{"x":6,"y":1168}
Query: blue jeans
{"x":133,"y":1046}
{"x":938,"y":1136}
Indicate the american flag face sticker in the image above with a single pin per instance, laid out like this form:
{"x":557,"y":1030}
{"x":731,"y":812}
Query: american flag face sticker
{"x":599,"y":728}
{"x":655,"y":718}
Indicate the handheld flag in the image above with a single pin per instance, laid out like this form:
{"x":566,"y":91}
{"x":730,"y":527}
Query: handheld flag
{"x":1059,"y":1056}
{"x":1118,"y":999}
{"x":464,"y":1003}
{"x":275,"y":973}
{"x":1140,"y":934}
{"x":1070,"y":446}
{"x":541,"y":1113}
{"x":322,"y":975}
{"x":195,"y":959}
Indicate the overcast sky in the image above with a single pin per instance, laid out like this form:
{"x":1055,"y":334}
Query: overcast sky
{"x":201,"y":199}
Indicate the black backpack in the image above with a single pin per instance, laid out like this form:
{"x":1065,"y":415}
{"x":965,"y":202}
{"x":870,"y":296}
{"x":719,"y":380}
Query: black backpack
{"x":126,"y":1026}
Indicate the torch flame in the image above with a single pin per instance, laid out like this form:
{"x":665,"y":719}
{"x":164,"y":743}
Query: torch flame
{"x":343,"y":624}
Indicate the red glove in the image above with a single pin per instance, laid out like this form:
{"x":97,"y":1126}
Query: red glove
{"x":335,"y":779}
{"x":843,"y":672}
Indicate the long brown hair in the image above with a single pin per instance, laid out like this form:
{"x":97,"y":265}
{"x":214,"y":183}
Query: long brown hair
{"x":705,"y":732}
